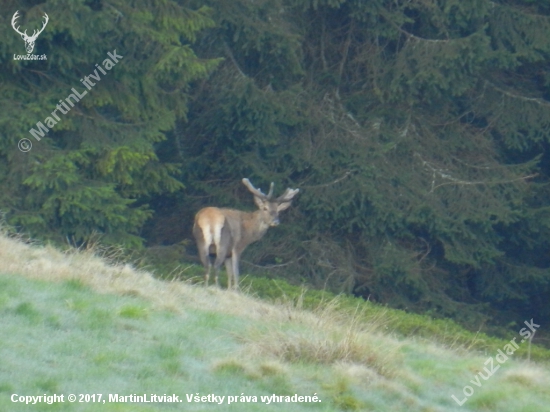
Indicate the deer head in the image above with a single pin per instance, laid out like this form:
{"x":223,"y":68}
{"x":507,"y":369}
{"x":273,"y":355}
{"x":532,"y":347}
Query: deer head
{"x":29,"y":40}
{"x":269,"y":208}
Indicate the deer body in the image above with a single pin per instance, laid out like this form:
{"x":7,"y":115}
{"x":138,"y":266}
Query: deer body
{"x":227,"y":232}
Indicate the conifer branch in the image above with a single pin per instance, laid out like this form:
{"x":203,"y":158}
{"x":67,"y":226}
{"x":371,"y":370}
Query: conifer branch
{"x":118,"y":13}
{"x":444,"y":174}
{"x":323,"y":58}
{"x":232,"y":58}
{"x":329,"y":183}
{"x":346,"y":51}
{"x":537,"y":100}
{"x":279,"y":265}
{"x":413,"y":36}
{"x":483,"y":182}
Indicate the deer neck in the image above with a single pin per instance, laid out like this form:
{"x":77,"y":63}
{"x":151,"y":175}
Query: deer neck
{"x":254,"y":226}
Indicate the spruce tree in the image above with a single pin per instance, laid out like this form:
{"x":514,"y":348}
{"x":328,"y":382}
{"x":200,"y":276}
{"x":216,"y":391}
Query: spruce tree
{"x":417,"y":131}
{"x":96,"y":166}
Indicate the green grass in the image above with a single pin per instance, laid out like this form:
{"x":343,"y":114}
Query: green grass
{"x":73,"y":324}
{"x":444,"y":331}
{"x":62,"y":339}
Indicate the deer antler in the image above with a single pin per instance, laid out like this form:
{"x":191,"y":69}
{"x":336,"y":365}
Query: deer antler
{"x":46,"y":20}
{"x":287,"y":195}
{"x":13,"y":20}
{"x":258,"y":192}
{"x":35,"y":32}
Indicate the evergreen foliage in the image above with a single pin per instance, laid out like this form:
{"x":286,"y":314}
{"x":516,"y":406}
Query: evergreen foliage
{"x":417,"y":132}
{"x":96,"y":167}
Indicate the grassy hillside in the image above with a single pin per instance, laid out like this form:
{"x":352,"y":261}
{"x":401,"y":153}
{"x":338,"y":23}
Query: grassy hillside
{"x":74,"y":324}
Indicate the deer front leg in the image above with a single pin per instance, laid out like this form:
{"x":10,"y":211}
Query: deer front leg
{"x":205,"y":259}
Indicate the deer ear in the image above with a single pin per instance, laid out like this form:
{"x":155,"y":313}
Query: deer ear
{"x":283,"y":206}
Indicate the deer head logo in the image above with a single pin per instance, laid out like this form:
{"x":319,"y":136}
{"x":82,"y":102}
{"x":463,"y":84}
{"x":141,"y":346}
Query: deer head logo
{"x":29,"y":40}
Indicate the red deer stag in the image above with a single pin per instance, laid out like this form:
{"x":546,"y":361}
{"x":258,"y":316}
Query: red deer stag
{"x":227,"y":232}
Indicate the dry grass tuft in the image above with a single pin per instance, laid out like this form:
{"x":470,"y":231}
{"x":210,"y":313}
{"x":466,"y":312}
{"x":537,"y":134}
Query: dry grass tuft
{"x":231,"y":366}
{"x":527,"y":374}
{"x":359,"y":374}
{"x":243,"y":367}
{"x":327,"y":348}
{"x":327,"y":336}
{"x":272,"y":368}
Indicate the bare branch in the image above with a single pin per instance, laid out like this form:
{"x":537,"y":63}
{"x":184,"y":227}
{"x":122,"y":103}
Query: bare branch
{"x":444,"y":174}
{"x":330,"y":183}
{"x":483,"y":182}
{"x":536,"y":100}
{"x":232,"y":58}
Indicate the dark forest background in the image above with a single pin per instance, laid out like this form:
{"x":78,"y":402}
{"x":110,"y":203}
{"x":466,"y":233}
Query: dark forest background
{"x":417,"y":131}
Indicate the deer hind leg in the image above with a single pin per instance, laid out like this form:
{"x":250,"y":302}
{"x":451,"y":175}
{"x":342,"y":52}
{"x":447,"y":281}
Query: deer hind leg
{"x":217,"y":273}
{"x":204,"y":251}
{"x":205,"y":259}
{"x":220,"y":258}
{"x":207,"y":262}
{"x":223,"y":252}
{"x":229,"y":270}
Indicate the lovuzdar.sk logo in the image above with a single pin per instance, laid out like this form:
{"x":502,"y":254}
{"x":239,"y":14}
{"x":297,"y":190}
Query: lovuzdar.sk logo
{"x":29,"y":40}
